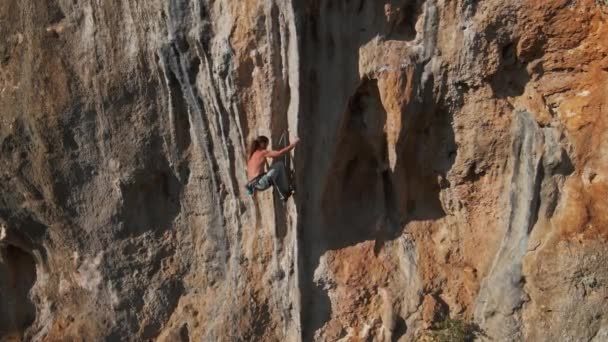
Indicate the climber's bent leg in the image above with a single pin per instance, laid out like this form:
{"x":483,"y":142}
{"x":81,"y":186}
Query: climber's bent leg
{"x":278,"y":174}
{"x":259,"y":183}
{"x":264,"y":182}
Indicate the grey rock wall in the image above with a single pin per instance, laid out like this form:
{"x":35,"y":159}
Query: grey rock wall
{"x":451,"y":164}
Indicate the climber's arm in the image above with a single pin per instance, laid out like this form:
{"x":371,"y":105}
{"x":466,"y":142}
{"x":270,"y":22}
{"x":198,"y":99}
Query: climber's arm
{"x":281,"y":152}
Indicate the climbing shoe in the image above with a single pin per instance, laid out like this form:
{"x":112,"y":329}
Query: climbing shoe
{"x":285,"y":197}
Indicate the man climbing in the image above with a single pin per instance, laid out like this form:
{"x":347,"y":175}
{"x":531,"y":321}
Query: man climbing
{"x":276,"y":174}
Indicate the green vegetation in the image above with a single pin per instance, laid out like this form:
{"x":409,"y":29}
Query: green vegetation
{"x":452,"y":330}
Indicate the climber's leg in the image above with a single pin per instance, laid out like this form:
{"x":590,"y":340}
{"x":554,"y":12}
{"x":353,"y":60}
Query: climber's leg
{"x":254,"y":185}
{"x":278,"y":174}
{"x":264,"y":182}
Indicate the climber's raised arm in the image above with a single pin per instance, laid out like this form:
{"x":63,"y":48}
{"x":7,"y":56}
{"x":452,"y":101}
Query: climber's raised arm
{"x":281,"y":152}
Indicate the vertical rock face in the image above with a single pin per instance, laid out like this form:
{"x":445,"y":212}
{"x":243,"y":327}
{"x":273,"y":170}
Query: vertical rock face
{"x":123,"y":138}
{"x":453,"y":163}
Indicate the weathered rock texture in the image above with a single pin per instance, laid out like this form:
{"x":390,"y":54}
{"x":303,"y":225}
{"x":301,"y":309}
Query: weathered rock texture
{"x":453,"y":162}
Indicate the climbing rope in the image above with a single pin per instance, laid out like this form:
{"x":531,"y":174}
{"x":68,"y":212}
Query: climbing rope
{"x":283,"y":137}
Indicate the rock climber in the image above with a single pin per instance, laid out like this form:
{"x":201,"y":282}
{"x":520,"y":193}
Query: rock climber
{"x":276,"y":174}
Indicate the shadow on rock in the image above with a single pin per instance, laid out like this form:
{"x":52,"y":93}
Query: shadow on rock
{"x":368,"y":197}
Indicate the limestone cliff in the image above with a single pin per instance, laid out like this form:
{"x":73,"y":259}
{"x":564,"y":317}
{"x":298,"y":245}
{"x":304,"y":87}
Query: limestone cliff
{"x":453,"y":163}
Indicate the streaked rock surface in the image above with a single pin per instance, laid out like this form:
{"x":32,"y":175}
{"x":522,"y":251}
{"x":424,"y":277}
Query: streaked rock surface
{"x":453,"y":163}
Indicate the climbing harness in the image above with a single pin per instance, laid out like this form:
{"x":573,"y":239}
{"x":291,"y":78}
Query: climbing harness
{"x":250,"y":186}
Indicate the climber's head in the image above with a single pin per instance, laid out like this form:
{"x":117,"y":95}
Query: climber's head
{"x":259,"y":143}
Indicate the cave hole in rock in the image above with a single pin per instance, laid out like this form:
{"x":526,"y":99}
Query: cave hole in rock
{"x":511,"y":78}
{"x":402,"y":17}
{"x":358,"y":183}
{"x":366,"y":198}
{"x":180,"y":108}
{"x":17,"y":277}
{"x":54,"y":12}
{"x":399,"y":330}
{"x":426,"y":151}
{"x":150,"y":199}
